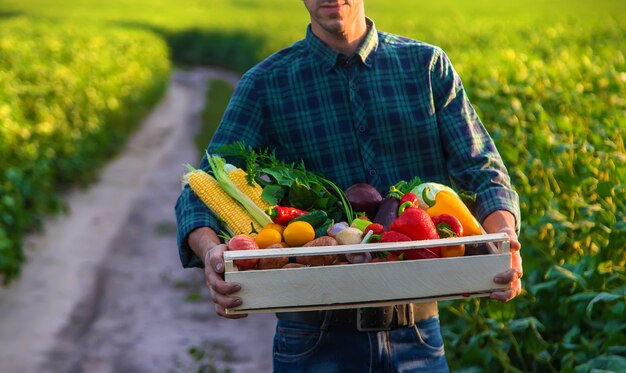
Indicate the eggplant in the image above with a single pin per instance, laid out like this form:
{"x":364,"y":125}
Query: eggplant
{"x":387,"y":212}
{"x":365,"y":198}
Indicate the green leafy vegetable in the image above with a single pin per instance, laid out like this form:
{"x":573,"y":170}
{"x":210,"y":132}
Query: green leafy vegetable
{"x":290,"y":184}
{"x":402,"y":187}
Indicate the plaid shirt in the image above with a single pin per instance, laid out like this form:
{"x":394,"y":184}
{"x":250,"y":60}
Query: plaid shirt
{"x":394,"y":110}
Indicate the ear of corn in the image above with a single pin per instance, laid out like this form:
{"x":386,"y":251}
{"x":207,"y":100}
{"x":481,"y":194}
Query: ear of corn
{"x":254,"y":191}
{"x":226,"y":208}
{"x":217,"y":164}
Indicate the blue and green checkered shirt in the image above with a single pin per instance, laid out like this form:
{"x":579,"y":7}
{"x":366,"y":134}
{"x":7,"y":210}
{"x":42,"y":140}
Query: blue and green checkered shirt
{"x":394,"y":110}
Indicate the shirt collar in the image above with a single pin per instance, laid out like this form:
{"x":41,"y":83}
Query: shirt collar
{"x":328,"y":57}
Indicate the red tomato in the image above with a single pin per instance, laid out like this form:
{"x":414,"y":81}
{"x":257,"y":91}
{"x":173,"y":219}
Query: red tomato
{"x":244,"y":242}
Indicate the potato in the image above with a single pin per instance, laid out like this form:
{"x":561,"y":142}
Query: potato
{"x":321,"y":241}
{"x":293,"y":265}
{"x":272,"y":263}
{"x":318,"y":260}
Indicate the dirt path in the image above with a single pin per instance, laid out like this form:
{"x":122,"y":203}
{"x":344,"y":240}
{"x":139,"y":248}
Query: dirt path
{"x":103,"y":290}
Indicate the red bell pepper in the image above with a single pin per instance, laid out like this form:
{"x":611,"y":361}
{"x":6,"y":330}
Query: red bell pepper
{"x":417,"y":225}
{"x":392,"y":236}
{"x":283,"y":215}
{"x":449,"y":226}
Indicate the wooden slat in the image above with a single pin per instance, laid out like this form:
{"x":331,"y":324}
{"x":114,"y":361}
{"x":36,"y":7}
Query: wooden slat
{"x":316,"y":287}
{"x":392,"y":302}
{"x":501,"y":238}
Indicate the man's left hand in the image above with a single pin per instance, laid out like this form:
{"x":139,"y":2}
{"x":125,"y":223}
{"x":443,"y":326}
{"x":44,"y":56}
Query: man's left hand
{"x":504,"y":222}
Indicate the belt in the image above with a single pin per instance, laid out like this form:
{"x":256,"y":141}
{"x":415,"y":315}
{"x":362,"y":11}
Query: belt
{"x":366,"y":319}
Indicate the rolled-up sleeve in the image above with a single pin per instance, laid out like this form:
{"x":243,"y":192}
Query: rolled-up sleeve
{"x":191,"y":213}
{"x":474,"y":163}
{"x":242,"y":121}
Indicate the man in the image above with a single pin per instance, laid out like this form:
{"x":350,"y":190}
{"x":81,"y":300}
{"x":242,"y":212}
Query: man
{"x":358,"y":105}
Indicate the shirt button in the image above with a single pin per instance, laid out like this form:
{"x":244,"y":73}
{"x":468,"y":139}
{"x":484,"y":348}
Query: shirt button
{"x":361,"y":128}
{"x":372,"y":172}
{"x":353,"y":86}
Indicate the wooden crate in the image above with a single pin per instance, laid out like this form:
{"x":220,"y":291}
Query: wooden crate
{"x":368,"y":284}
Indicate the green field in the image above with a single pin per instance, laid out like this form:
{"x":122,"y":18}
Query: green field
{"x":548,"y":78}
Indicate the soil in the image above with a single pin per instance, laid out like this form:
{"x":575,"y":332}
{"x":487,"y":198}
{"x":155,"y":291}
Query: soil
{"x":103,"y":289}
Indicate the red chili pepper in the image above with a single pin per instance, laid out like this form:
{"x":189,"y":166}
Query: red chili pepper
{"x":283,"y":215}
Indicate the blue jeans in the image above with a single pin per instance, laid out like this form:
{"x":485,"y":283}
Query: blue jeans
{"x":300,"y":347}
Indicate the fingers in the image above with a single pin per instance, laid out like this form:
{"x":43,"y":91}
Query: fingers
{"x":506,"y":295}
{"x":512,"y":276}
{"x":516,"y":263}
{"x":507,"y":277}
{"x":215,"y":258}
{"x":221,"y":312}
{"x":215,"y":282}
{"x":222,"y":302}
{"x":220,"y":289}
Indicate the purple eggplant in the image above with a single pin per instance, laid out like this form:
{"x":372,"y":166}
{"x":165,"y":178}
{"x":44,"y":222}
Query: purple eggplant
{"x":387,"y":212}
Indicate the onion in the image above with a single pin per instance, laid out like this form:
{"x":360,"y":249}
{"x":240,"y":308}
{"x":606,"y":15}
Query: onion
{"x":357,"y":258}
{"x":336,"y":228}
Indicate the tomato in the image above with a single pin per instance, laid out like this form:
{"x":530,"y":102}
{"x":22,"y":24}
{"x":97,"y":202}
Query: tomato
{"x":244,"y":242}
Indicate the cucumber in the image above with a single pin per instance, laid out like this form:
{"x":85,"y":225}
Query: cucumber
{"x":322,"y":230}
{"x":315,"y":218}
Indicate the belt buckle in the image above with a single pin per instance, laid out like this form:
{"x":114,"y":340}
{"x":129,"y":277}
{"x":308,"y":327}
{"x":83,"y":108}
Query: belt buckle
{"x":361,"y":323}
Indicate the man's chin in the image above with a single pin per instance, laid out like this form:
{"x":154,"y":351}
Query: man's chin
{"x":334,"y":27}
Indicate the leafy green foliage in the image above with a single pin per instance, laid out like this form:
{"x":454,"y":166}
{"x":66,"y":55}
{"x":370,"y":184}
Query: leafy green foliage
{"x":560,"y":128}
{"x":290,"y":184}
{"x":68,"y":99}
{"x":549,"y":82}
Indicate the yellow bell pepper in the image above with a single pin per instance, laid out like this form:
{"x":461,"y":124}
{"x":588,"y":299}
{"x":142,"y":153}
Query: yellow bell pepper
{"x":446,"y":202}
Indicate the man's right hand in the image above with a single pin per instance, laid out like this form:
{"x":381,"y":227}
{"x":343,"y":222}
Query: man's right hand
{"x":205,"y":243}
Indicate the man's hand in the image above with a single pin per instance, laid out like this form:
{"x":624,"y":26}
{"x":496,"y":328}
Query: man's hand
{"x":205,"y":243}
{"x":504,"y":222}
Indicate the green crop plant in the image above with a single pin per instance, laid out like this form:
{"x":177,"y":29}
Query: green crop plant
{"x":69,"y":97}
{"x":548,"y":79}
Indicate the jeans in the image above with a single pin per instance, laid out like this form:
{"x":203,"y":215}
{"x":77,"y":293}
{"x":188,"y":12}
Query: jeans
{"x":300,"y":347}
